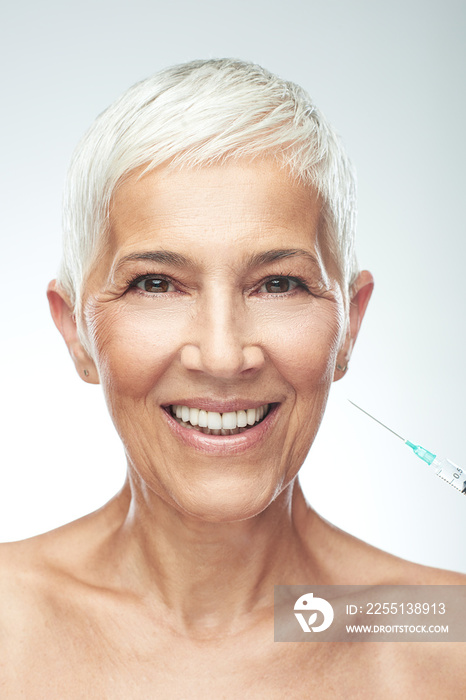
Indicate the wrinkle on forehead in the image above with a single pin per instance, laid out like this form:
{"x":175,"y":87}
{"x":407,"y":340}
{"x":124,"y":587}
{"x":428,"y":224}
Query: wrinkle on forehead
{"x":229,"y":191}
{"x":167,"y":209}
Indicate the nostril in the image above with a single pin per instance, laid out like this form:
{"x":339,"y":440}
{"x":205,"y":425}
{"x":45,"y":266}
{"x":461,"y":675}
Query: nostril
{"x":221,"y":361}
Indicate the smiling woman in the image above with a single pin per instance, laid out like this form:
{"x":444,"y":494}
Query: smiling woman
{"x":256,"y":327}
{"x":209,"y":285}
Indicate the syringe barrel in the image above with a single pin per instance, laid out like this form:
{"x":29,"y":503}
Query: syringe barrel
{"x":450,"y":472}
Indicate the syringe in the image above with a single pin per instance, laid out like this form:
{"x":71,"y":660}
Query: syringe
{"x":444,"y":468}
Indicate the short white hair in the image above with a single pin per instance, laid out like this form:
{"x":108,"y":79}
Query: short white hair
{"x":197,"y":114}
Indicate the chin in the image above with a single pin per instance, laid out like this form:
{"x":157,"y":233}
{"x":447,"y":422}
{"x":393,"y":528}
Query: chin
{"x":232,"y":503}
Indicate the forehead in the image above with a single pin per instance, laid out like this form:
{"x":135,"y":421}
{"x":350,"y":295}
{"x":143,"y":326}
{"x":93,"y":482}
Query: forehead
{"x":245,"y":204}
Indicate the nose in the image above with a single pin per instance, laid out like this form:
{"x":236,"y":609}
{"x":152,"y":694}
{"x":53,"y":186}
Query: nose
{"x":222,"y":340}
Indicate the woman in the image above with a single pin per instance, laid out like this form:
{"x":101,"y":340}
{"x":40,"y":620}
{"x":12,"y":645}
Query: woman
{"x":209,"y":284}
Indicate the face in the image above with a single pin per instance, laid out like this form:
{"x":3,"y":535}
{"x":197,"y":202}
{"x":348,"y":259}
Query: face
{"x":213,"y":296}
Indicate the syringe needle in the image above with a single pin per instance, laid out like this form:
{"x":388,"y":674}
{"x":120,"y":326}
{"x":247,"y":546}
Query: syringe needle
{"x":377,"y":421}
{"x":446,"y":470}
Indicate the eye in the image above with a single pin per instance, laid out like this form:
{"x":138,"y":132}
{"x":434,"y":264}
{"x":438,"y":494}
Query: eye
{"x":153,"y":285}
{"x":279,"y":285}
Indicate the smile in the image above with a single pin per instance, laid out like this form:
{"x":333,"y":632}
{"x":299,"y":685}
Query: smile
{"x":214,"y":423}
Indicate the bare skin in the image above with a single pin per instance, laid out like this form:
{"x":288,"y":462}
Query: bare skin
{"x":167,"y":591}
{"x":80,"y":619}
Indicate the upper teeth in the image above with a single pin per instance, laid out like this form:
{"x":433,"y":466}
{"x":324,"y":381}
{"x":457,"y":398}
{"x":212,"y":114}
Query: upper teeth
{"x":217,"y":421}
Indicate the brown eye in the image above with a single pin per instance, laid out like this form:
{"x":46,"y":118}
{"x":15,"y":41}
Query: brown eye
{"x":155,"y":285}
{"x":279,"y":285}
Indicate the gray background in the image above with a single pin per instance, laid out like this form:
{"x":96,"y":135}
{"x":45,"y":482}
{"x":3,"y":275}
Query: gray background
{"x":390,"y":76}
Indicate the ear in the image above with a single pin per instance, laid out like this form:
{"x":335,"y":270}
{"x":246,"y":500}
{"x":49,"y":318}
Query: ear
{"x":361,"y":292}
{"x":65,"y":321}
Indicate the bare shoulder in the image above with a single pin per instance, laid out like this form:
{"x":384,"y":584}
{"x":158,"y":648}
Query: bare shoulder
{"x":26,"y":562}
{"x":17,"y":571}
{"x":407,"y":669}
{"x":41,"y":576}
{"x":440,"y":663}
{"x":41,"y":604}
{"x":23,"y":579}
{"x":21,"y":607}
{"x":403,"y":572}
{"x":34,"y":574}
{"x":426,"y":575}
{"x":352,"y":561}
{"x":420,"y":669}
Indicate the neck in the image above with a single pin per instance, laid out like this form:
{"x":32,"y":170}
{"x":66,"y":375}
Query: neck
{"x":209,"y":575}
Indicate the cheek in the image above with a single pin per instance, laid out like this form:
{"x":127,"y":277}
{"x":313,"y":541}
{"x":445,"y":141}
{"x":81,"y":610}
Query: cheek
{"x":303,"y":344}
{"x":133,"y":348}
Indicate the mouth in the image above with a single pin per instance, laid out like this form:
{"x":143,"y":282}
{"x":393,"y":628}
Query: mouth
{"x":215,"y":423}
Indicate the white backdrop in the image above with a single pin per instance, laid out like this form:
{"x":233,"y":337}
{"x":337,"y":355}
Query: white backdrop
{"x":391,"y":77}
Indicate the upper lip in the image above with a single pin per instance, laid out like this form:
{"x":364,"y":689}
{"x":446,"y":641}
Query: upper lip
{"x":218,"y":405}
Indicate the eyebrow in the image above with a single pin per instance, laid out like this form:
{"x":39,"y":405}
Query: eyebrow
{"x":158,"y":256}
{"x":254,"y":260}
{"x":278,"y":254}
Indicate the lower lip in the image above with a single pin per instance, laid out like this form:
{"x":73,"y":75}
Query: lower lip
{"x":224,"y":444}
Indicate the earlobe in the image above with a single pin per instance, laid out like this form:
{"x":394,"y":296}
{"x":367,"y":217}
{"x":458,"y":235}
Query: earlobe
{"x":361,"y":292}
{"x":65,"y":321}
